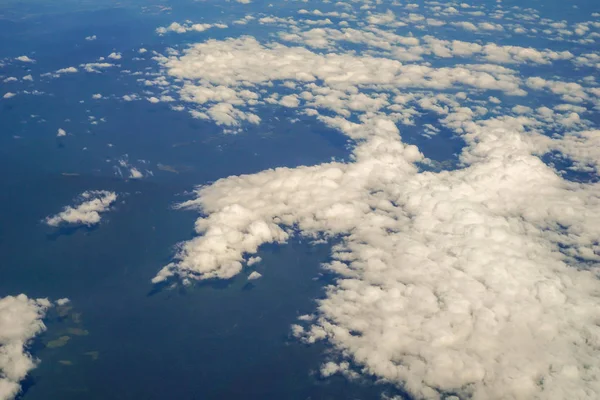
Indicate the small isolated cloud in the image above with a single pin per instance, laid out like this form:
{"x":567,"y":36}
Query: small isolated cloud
{"x":28,"y":78}
{"x":25,"y":59}
{"x":130,"y":97}
{"x":183,"y":28}
{"x":135,"y":173}
{"x":61,"y":132}
{"x":63,"y":301}
{"x":90,"y":38}
{"x":20,"y":321}
{"x":92,"y":203}
{"x":244,"y":1}
{"x":153,"y":100}
{"x":68,"y":70}
{"x":96,"y":96}
{"x":142,"y":50}
{"x":254,"y":275}
{"x":115,"y":56}
{"x":96,"y":67}
{"x":254,"y":260}
{"x":8,"y":95}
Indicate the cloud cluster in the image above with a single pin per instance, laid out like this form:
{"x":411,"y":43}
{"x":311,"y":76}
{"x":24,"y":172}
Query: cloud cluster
{"x":478,"y":281}
{"x":20,"y":321}
{"x":188,"y":26}
{"x":87,"y":212}
{"x":476,"y":277}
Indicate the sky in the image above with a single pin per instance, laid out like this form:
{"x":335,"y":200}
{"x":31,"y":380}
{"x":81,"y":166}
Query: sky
{"x":447,"y":152}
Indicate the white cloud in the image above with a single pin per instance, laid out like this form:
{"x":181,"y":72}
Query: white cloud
{"x":87,"y":212}
{"x":61,"y":132}
{"x":254,"y":260}
{"x":135,"y":173}
{"x":244,"y":1}
{"x":254,"y":275}
{"x":8,"y":95}
{"x":63,"y":301}
{"x":28,"y":78}
{"x":187,"y":27}
{"x":115,"y":56}
{"x":25,"y":59}
{"x":68,"y":70}
{"x":142,"y":50}
{"x":91,"y":38}
{"x":96,"y":67}
{"x":96,"y":96}
{"x":20,"y":321}
{"x":478,"y":281}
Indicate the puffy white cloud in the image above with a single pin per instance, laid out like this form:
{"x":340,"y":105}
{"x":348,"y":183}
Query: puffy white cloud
{"x":135,"y":173}
{"x":68,"y":70}
{"x":63,"y":301}
{"x":96,"y":96}
{"x":87,"y":212}
{"x":61,"y":132}
{"x":479,"y":281}
{"x":254,"y":276}
{"x":25,"y":59}
{"x":91,"y":38}
{"x":254,"y":260}
{"x":96,"y":67}
{"x":187,"y":27}
{"x":8,"y":95}
{"x":20,"y":321}
{"x":28,"y":78}
{"x":115,"y":56}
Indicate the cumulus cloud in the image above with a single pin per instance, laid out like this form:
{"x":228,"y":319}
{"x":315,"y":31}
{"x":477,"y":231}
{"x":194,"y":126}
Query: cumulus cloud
{"x":115,"y":56}
{"x":20,"y":321}
{"x":96,"y":67}
{"x":90,"y":38}
{"x":8,"y":95}
{"x":187,"y":27}
{"x":61,"y":132}
{"x":67,"y":70}
{"x":254,"y":276}
{"x":135,"y":173}
{"x":479,"y":281}
{"x":91,"y":204}
{"x":25,"y":59}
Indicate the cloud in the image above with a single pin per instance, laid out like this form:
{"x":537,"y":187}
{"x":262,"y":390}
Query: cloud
{"x":61,"y":132}
{"x":254,"y":276}
{"x":91,"y":204}
{"x":67,"y":70}
{"x":63,"y":301}
{"x":187,"y":27}
{"x":478,"y":281}
{"x":25,"y":59}
{"x":91,"y":38}
{"x":20,"y":321}
{"x":134,"y":173}
{"x":96,"y":67}
{"x":8,"y":95}
{"x":115,"y":56}
{"x":28,"y":78}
